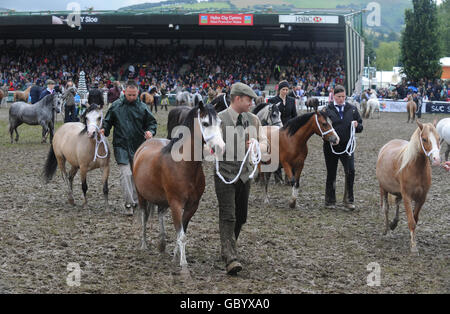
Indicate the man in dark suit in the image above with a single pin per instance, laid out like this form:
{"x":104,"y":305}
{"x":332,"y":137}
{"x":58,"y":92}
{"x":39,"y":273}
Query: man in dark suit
{"x":49,"y":90}
{"x":35,"y":92}
{"x":342,"y":115}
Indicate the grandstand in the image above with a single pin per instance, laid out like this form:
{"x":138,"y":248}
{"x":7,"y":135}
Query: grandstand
{"x":309,"y":29}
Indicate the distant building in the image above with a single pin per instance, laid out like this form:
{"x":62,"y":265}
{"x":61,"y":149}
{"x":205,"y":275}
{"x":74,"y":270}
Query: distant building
{"x":445,"y":68}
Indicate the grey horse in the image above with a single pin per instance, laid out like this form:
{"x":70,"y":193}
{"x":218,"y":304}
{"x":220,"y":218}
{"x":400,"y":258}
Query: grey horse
{"x":41,"y":113}
{"x":268,"y":114}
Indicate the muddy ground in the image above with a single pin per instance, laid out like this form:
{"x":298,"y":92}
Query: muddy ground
{"x":308,"y":249}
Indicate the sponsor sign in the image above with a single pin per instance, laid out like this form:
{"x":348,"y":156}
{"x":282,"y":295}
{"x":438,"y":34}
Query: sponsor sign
{"x":309,"y":19}
{"x":226,"y":19}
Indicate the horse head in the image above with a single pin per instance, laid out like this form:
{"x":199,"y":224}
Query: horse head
{"x":92,"y":119}
{"x":275,"y":115}
{"x":221,"y":102}
{"x":429,"y":140}
{"x":57,"y":102}
{"x":324,"y":127}
{"x":211,"y":130}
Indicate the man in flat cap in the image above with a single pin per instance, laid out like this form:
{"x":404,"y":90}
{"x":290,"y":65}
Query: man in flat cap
{"x":49,"y":90}
{"x":233,"y":198}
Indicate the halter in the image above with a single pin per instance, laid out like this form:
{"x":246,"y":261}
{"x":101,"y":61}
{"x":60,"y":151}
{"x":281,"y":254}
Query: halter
{"x":351,"y":145}
{"x":423,"y":148}
{"x":225,"y":100}
{"x":99,"y":141}
{"x":320,"y":129}
{"x":255,"y":156}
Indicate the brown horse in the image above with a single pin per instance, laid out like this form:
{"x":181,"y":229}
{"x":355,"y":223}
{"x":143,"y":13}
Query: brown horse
{"x":404,"y":171}
{"x":84,"y":148}
{"x":149,"y":100}
{"x":312,"y":103}
{"x":164,"y":182}
{"x":411,"y":108}
{"x":292,"y":146}
{"x":22,"y":96}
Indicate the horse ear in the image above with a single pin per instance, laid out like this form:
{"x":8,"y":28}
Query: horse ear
{"x":419,"y":124}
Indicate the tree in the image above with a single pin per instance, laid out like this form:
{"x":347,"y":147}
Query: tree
{"x":387,"y":55}
{"x":420,"y":46}
{"x":444,"y":23}
{"x":368,"y":49}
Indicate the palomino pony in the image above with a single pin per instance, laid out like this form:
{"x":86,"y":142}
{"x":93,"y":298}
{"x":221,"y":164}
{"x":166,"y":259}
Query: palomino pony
{"x":22,"y":96}
{"x":40,"y":113}
{"x":411,"y":108}
{"x":149,"y":100}
{"x":81,"y":144}
{"x":268,"y":114}
{"x":163,"y":182}
{"x":443,"y":129}
{"x":293,"y":148}
{"x":404,"y":171}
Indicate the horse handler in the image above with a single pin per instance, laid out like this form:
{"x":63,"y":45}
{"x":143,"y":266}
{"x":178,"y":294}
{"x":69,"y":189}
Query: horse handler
{"x":342,"y":115}
{"x":233,"y":197}
{"x":133,"y":124}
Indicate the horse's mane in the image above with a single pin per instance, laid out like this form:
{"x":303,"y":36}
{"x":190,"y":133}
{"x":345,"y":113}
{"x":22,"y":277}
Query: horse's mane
{"x":189,"y":123}
{"x":294,"y":124}
{"x":260,"y":107}
{"x":409,"y":152}
{"x":47,"y":99}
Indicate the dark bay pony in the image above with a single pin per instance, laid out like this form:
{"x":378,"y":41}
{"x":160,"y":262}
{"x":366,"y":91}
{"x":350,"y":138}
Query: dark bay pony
{"x":403,"y":170}
{"x":178,"y":114}
{"x":163,"y":182}
{"x":80,"y":144}
{"x":312,"y":104}
{"x":40,"y":113}
{"x":292,"y":147}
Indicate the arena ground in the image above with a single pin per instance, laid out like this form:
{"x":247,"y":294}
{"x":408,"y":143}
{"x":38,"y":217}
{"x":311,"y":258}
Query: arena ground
{"x":306,"y":250}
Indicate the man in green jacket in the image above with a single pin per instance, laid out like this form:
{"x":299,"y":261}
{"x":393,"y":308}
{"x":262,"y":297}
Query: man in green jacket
{"x":133,"y":124}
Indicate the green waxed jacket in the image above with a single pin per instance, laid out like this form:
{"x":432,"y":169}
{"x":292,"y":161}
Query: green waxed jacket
{"x":130,"y":121}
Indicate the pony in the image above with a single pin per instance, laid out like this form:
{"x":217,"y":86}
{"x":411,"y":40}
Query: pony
{"x":163,"y":182}
{"x":183,"y":98}
{"x":40,"y":113}
{"x":312,"y":103}
{"x":22,"y":95}
{"x":403,"y":170}
{"x":411,"y":108}
{"x":149,"y":100}
{"x":80,"y":144}
{"x":372,"y":105}
{"x":292,"y":147}
{"x":443,"y":129}
{"x":268,"y":114}
{"x":3,"y":95}
{"x":178,"y":114}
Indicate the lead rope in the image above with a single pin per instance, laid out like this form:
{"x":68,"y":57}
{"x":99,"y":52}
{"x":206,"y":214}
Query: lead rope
{"x":99,"y":141}
{"x":255,"y":156}
{"x":351,"y":145}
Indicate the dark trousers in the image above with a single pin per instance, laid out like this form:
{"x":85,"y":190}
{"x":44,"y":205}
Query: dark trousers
{"x":69,"y":114}
{"x":331,"y":161}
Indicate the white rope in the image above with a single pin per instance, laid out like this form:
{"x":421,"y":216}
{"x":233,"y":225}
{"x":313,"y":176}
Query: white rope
{"x":255,"y":156}
{"x":99,"y":141}
{"x":423,"y":148}
{"x":225,"y":99}
{"x":351,"y":145}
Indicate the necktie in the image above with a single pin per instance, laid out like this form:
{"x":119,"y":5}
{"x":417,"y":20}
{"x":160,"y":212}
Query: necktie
{"x":239,"y":120}
{"x":341,"y":111}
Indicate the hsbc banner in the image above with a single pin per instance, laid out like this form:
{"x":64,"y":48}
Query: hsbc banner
{"x":309,"y":19}
{"x":226,"y":19}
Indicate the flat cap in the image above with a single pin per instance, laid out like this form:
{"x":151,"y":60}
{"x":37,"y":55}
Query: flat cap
{"x":241,"y":89}
{"x":50,"y":82}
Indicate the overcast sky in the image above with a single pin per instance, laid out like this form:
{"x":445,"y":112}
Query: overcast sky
{"x":41,"y":5}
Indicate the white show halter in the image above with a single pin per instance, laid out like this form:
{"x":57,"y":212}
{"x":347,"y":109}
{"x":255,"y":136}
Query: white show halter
{"x":255,"y":157}
{"x":101,"y":140}
{"x":423,"y":148}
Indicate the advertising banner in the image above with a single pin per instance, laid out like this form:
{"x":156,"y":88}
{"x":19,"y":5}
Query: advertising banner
{"x":226,"y":19}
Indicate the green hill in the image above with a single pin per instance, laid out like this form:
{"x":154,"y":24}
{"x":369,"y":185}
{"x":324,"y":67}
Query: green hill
{"x":391,"y":11}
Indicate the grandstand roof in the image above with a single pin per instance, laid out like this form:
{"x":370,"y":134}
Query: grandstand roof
{"x":155,"y":24}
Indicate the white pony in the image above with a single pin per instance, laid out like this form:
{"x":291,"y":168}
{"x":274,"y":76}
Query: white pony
{"x":372,"y":105}
{"x":443,"y":129}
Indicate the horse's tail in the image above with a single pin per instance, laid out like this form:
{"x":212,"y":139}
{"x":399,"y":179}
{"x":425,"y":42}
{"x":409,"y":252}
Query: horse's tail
{"x":50,"y":165}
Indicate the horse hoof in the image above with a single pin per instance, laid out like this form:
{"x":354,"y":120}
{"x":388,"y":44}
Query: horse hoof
{"x":162,"y":246}
{"x":292,"y":204}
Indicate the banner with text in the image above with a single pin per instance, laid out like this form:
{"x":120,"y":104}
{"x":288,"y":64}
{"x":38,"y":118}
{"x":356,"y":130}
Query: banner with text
{"x":309,"y":19}
{"x":226,"y":19}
